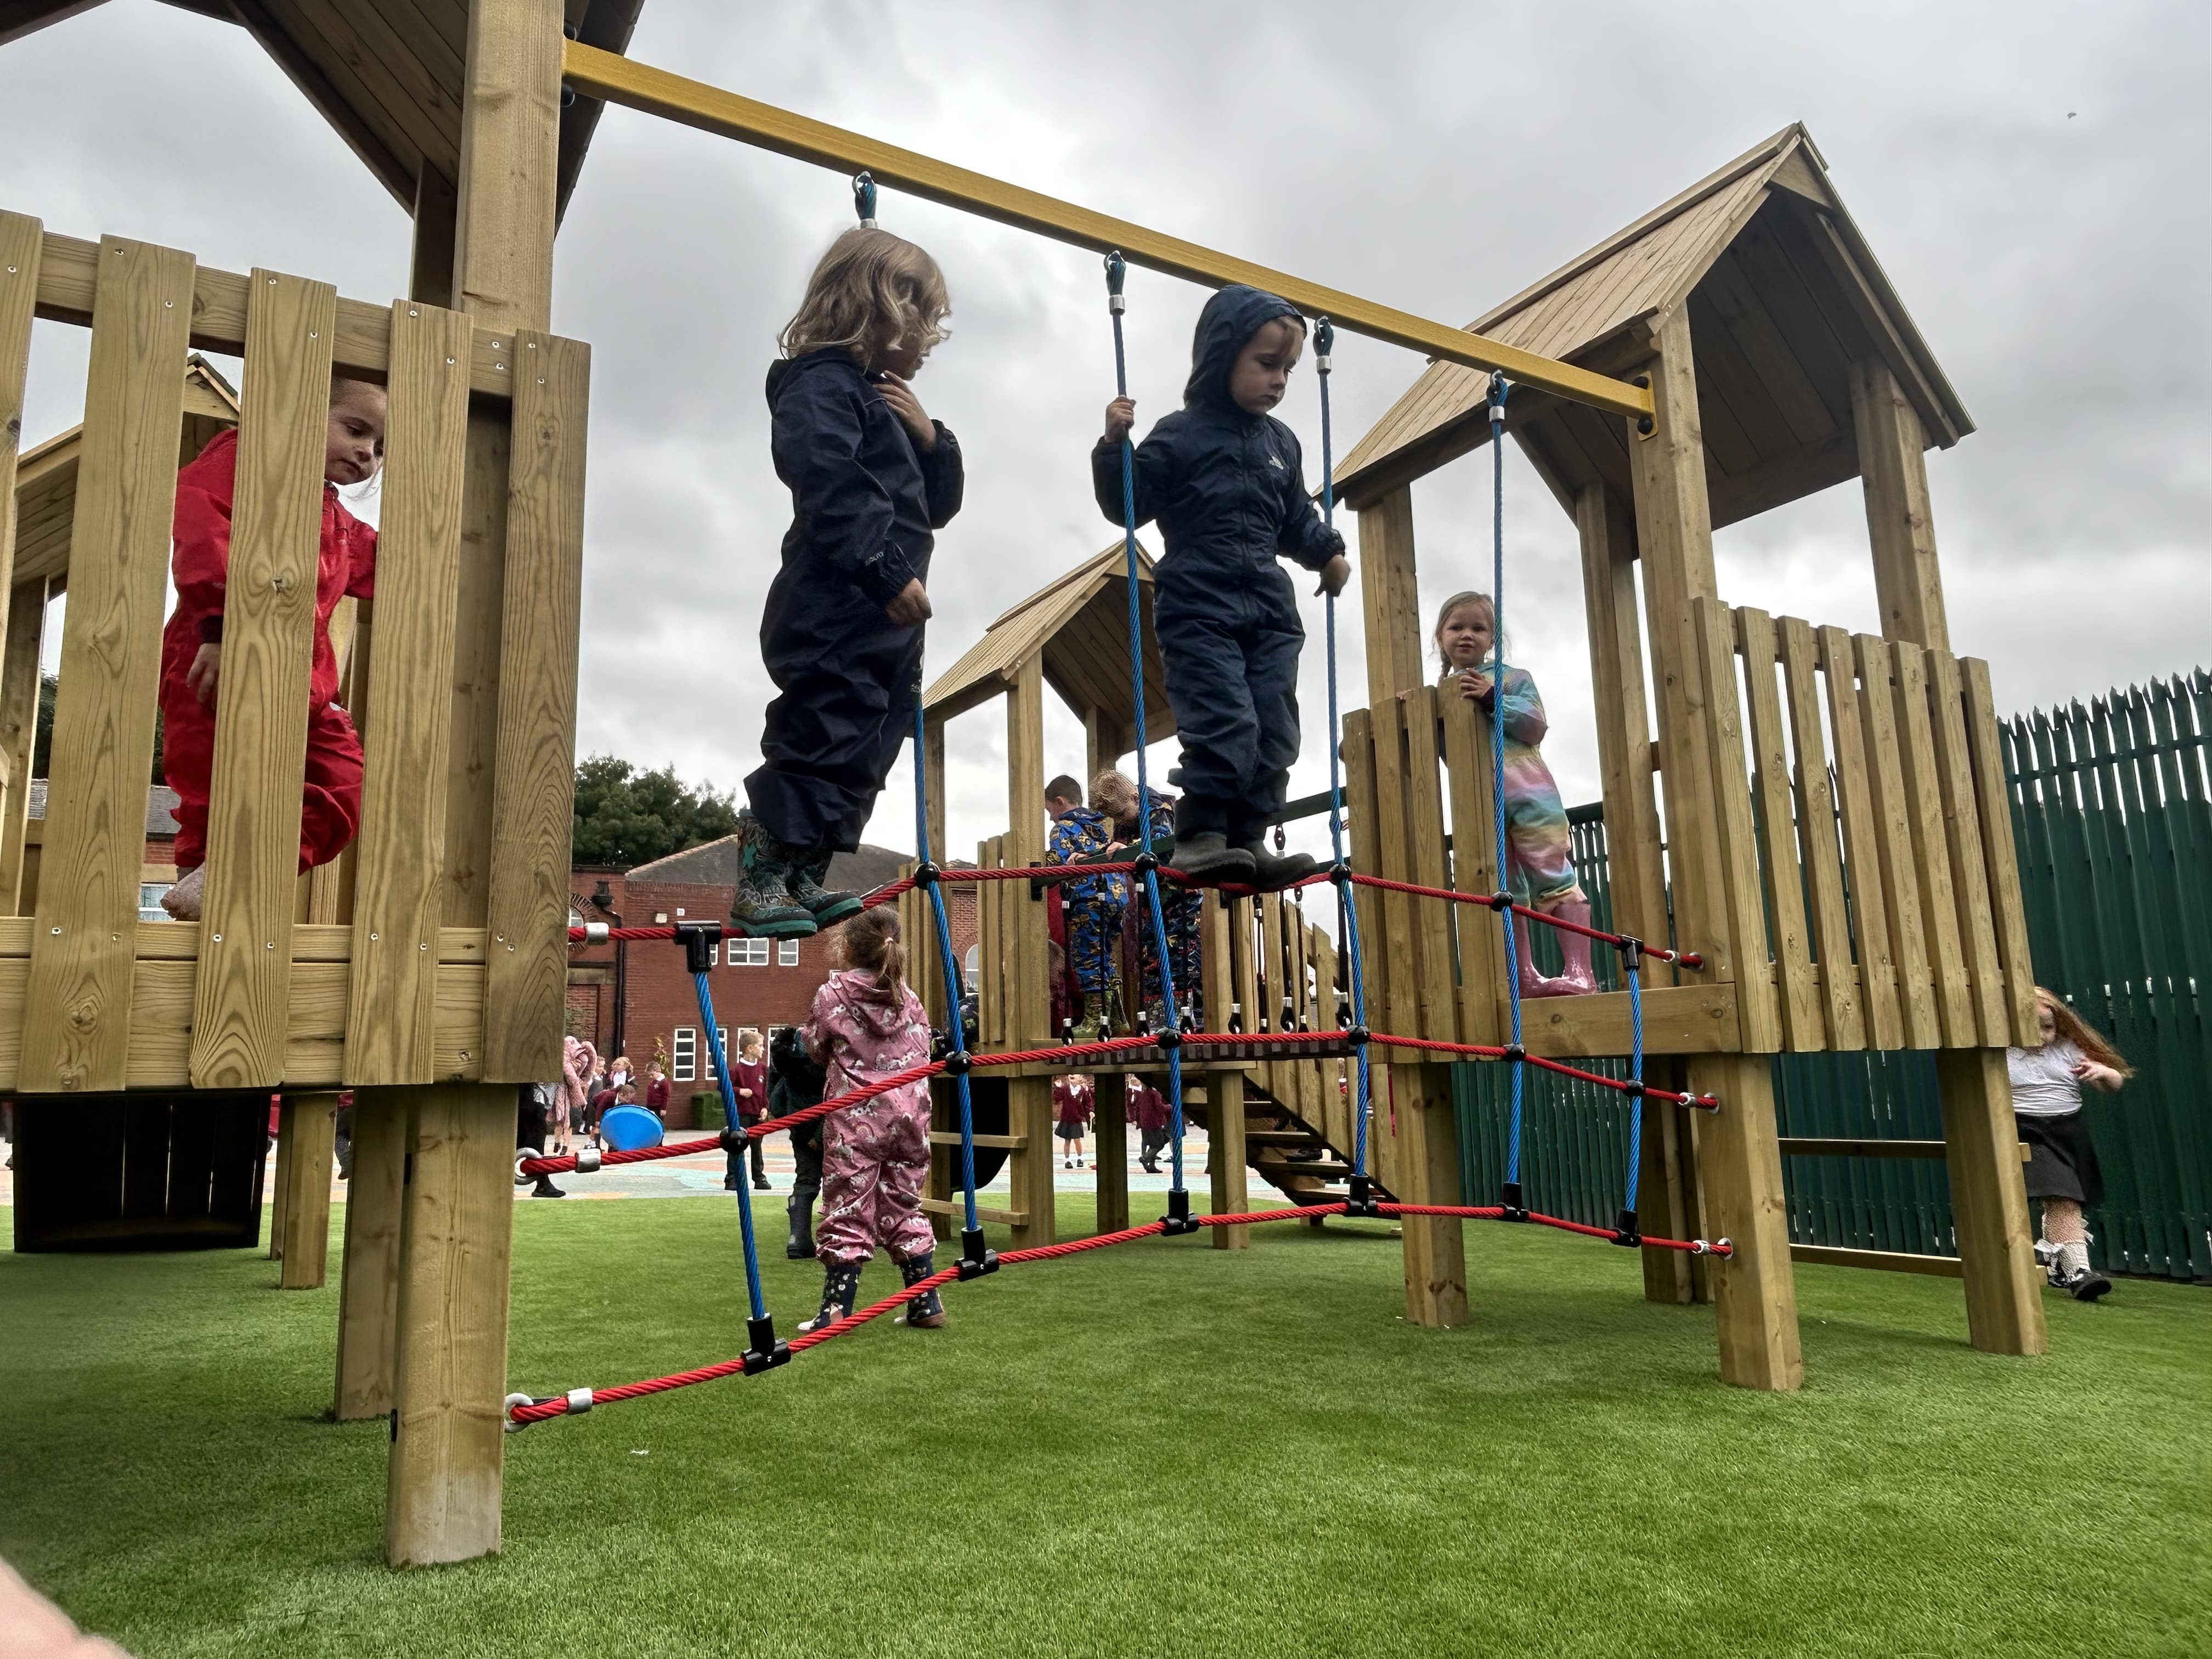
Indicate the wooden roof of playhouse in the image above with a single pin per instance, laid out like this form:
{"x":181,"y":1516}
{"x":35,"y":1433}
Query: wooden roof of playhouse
{"x":387,"y":74}
{"x":45,"y":478}
{"x":1081,"y":625}
{"x":1784,"y":293}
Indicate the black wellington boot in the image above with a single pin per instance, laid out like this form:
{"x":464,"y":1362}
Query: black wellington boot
{"x":841,"y":1288}
{"x":800,"y":1244}
{"x":924,"y":1313}
{"x":803,"y":883}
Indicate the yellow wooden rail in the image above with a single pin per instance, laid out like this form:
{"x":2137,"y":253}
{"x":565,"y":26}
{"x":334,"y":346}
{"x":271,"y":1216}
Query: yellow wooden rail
{"x":656,"y":92}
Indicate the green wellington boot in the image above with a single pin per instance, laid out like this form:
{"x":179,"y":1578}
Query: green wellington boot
{"x":763,"y":907}
{"x":826,"y":905}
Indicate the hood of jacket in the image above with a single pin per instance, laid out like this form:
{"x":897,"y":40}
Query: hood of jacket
{"x":880,"y":1010}
{"x":833,"y":359}
{"x":1231,"y":316}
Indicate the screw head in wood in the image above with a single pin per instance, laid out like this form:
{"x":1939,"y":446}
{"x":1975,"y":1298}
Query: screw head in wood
{"x":218,"y":938}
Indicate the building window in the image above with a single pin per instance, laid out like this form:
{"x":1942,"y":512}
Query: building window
{"x":786,"y":953}
{"x":748,"y":953}
{"x":684,"y":1065}
{"x":149,"y":901}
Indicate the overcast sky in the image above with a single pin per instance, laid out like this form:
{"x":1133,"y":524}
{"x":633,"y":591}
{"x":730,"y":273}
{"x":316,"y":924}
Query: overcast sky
{"x":2031,"y":175}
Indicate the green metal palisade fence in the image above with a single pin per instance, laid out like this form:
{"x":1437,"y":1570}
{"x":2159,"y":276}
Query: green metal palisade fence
{"x":2112,"y":818}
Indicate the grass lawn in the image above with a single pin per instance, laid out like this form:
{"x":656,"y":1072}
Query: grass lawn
{"x":1161,"y":1448}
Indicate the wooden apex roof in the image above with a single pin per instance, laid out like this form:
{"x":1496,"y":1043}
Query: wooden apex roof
{"x":388,"y":74}
{"x":1597,"y":310}
{"x":1079,"y":623}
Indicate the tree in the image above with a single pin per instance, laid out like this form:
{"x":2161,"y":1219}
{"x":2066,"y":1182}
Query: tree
{"x":627,"y":818}
{"x":42,"y":740}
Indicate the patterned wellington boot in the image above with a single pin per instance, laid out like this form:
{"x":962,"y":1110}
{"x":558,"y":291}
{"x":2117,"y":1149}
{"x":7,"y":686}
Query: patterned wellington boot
{"x":824,"y":904}
{"x":1577,"y":979}
{"x":841,"y":1288}
{"x":763,"y":907}
{"x":924,"y":1313}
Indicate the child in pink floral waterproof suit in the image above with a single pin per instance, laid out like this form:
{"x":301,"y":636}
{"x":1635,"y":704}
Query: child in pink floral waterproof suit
{"x":867,"y":1025}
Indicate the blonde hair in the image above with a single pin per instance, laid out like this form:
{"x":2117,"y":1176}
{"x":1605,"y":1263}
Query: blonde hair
{"x":1112,"y":791}
{"x":872,"y":289}
{"x":2072,"y":1028}
{"x":1469,"y":600}
{"x":872,"y":940}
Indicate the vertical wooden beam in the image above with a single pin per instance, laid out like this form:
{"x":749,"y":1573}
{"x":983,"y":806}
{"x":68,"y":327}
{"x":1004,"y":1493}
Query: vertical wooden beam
{"x":1999,"y":854}
{"x":437,"y":210}
{"x":1607,"y":528}
{"x":1891,"y":815}
{"x":510,"y":141}
{"x":1482,"y":988}
{"x":1962,"y":829}
{"x":1775,"y":833}
{"x":25,"y":644}
{"x":1390,"y":596}
{"x":442,"y":1492}
{"x":281,"y":1193}
{"x":1878,"y":986}
{"x":1931,"y":853}
{"x":1434,"y":919}
{"x":1425,"y":1169}
{"x":1030,"y":999}
{"x":1816,"y":838}
{"x":1907,"y":582}
{"x":368,"y":1278}
{"x":312,"y":1121}
{"x":1727,"y":831}
{"x":22,"y":244}
{"x":1740,"y":1180}
{"x":1030,"y":1167}
{"x":1988,"y":1203}
{"x":242,"y":998}
{"x":76,"y":1017}
{"x":1225,"y":1156}
{"x":1110,"y":1137}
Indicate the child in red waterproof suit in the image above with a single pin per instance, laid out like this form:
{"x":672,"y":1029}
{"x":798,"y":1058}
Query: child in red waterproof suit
{"x":191,"y":644}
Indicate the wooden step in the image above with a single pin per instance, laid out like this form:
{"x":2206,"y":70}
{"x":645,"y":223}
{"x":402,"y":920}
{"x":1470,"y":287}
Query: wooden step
{"x":1281,"y":1138}
{"x":1324,"y":1168}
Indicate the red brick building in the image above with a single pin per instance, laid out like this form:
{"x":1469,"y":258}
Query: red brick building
{"x":757,"y":984}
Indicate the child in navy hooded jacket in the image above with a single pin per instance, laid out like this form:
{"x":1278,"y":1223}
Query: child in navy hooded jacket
{"x":1226,"y":482}
{"x":870,"y":478}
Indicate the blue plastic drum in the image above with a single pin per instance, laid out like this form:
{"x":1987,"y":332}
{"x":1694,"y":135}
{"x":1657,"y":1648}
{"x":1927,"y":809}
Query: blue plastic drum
{"x":629,"y":1129}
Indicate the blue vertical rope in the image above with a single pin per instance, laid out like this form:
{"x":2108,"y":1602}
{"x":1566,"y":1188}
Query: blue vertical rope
{"x":1498,"y":389}
{"x":956,"y":983}
{"x":1116,"y":268}
{"x":1340,"y":871}
{"x":1635,"y":1070}
{"x":730,"y":1117}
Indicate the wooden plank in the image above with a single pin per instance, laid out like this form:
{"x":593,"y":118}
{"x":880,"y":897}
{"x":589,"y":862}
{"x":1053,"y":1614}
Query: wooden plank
{"x":19,"y":656}
{"x":1775,"y":828}
{"x":1988,"y":1203}
{"x":1028,"y":988}
{"x":78,"y":1014}
{"x":1436,"y":964}
{"x":958,"y":1208}
{"x":1273,"y":1076}
{"x":448,"y":1440}
{"x":1482,"y":988}
{"x":260,"y":716}
{"x":952,"y":1138}
{"x":1892,"y":820}
{"x":1389,"y":597}
{"x":1739,"y":1182}
{"x":1962,"y":827}
{"x":307,"y":1187}
{"x":1817,"y":813}
{"x":1999,"y":857}
{"x":535,"y":773}
{"x":368,"y":1278}
{"x":1691,"y":1018}
{"x":1029,"y":1173}
{"x":397,"y":899}
{"x":1895,"y":1262}
{"x":1423,"y":1168}
{"x":1759,"y":1002}
{"x":1923,"y":801}
{"x":1396,"y":943}
{"x":1908,"y":582}
{"x":510,"y":160}
{"x":1363,"y":824}
{"x":1225,"y":1157}
{"x":22,"y":244}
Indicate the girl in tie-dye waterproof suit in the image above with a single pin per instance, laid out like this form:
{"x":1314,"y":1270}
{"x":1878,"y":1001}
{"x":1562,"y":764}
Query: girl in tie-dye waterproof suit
{"x":867,"y":1025}
{"x":1540,"y":855}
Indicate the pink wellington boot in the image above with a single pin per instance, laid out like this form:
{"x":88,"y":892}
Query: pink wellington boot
{"x":1577,"y":981}
{"x":1532,"y":984}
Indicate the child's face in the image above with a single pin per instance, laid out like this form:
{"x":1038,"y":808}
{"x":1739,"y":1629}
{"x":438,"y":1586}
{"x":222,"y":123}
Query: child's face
{"x":2045,"y":1024}
{"x":1263,"y":369}
{"x":1465,"y":637}
{"x":356,"y":435}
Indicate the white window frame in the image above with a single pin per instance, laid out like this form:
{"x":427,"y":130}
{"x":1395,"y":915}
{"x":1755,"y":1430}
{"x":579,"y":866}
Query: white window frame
{"x":707,"y":1074}
{"x":753,"y":955}
{"x":683,"y":1056}
{"x":786,"y":953}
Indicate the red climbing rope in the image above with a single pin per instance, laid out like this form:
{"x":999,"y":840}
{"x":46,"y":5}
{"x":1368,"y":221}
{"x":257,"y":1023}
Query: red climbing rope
{"x":1484,"y":1051}
{"x":1489,"y":901}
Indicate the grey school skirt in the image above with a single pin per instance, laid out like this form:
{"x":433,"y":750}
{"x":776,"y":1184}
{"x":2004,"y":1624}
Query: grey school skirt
{"x":2062,"y":1160}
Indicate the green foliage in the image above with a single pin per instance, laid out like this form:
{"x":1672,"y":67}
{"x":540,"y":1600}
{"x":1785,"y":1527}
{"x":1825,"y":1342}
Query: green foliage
{"x":42,"y":741}
{"x":627,"y":818}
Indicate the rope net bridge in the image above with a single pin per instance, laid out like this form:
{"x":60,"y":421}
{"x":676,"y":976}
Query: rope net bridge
{"x":1354,"y":1039}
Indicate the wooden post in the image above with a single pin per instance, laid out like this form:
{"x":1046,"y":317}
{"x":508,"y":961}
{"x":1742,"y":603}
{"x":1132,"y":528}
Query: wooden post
{"x":19,"y":724}
{"x":1607,"y":528}
{"x":311,"y":1122}
{"x":1425,"y":1169}
{"x":1893,"y":466}
{"x":1110,"y":1137}
{"x":368,"y":1278}
{"x":442,"y":1492}
{"x":1029,"y":1167}
{"x":1390,"y":596}
{"x":1988,"y":1203}
{"x":1227,"y":1164}
{"x":1739,"y":1178}
{"x":281,"y":1188}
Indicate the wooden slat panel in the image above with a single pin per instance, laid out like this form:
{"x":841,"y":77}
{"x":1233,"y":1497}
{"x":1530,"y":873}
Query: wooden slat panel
{"x":2001,"y":857}
{"x":1367,"y":858}
{"x":1475,"y":870}
{"x":78,"y":1018}
{"x":535,"y":776}
{"x":1759,"y":1002}
{"x":261,"y":711}
{"x":1395,"y":943}
{"x":1274,"y":1076}
{"x":391,"y":1030}
{"x":1802,"y":1019}
{"x":1432,"y":918}
{"x":21,"y":246}
{"x":1816,"y":838}
{"x":1962,"y":827}
{"x":1692,"y":1018}
{"x":1923,"y":797}
{"x":1893,"y":831}
{"x":19,"y":728}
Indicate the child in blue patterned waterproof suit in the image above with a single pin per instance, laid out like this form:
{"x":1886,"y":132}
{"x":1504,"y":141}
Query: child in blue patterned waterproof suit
{"x":1226,"y":482}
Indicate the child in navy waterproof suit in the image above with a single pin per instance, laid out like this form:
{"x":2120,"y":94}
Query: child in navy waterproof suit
{"x":1225,"y":481}
{"x":871,"y":476}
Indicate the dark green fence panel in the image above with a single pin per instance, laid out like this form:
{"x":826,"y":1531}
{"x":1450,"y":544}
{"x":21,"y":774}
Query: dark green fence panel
{"x":2112,"y":817}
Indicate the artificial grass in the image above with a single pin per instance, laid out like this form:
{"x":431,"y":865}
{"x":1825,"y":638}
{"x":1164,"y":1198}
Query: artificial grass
{"x":1160,"y":1449}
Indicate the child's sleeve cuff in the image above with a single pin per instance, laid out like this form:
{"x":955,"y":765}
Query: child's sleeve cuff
{"x":884,"y":575}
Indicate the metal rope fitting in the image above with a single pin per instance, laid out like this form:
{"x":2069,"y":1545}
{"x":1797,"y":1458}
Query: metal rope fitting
{"x":587,"y":1159}
{"x":1501,"y":901}
{"x":864,"y":199}
{"x":1515,"y":1053}
{"x":1340,"y":871}
{"x":507,"y":1412}
{"x":975,"y":1258}
{"x":763,"y":1352}
{"x":522,"y":1156}
{"x":926,"y":874}
{"x":1145,"y":862}
{"x":1324,"y":342}
{"x":1509,"y":1201}
{"x":1630,"y":948}
{"x":1633,"y":1089}
{"x":956,"y":1063}
{"x":699,"y":940}
{"x":579,"y":1402}
{"x":595,"y":932}
{"x":1362,"y":1199}
{"x":1169,"y":1038}
{"x":1624,"y":1230}
{"x":1178,"y":1219}
{"x":1357,"y":1035}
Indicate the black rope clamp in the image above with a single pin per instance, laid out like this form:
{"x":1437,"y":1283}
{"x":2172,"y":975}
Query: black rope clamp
{"x":1116,"y":269}
{"x":734,"y":1138}
{"x":976,"y":1259}
{"x":1624,"y":1230}
{"x":1145,"y":862}
{"x":1509,"y":1199}
{"x":763,"y":1351}
{"x":1357,"y":1035}
{"x":1169,"y":1039}
{"x":926,"y":874}
{"x":1178,"y":1219}
{"x":1513,"y":1053}
{"x":956,"y":1063}
{"x":864,"y":199}
{"x":1361,"y":1200}
{"x":1632,"y":952}
{"x":1501,"y":901}
{"x":1633,"y":1089}
{"x":698,"y":939}
{"x":1339,"y":872}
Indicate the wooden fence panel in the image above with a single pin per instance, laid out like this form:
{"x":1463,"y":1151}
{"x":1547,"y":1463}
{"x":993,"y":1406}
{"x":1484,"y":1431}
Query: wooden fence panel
{"x":1475,"y":870}
{"x":1962,"y":826}
{"x":1817,"y":816}
{"x":1775,"y":833}
{"x":1923,"y":797}
{"x":1856,"y":803}
{"x":1892,"y":828}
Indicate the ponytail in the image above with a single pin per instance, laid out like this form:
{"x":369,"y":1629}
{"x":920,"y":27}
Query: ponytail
{"x":872,"y":942}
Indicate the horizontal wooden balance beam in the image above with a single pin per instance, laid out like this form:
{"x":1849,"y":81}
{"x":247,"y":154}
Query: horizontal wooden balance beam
{"x":652,"y":91}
